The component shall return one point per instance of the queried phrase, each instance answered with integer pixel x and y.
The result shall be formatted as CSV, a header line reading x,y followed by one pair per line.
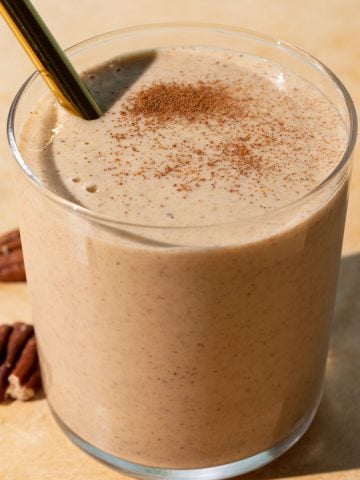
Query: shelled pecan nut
x,y
19,367
12,267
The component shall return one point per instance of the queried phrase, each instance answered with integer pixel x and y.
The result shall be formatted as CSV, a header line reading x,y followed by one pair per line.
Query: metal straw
x,y
49,59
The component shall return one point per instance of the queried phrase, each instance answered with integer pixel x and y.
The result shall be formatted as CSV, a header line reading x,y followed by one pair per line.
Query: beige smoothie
x,y
185,320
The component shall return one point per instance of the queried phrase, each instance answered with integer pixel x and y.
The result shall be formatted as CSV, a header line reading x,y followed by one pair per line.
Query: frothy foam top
x,y
191,136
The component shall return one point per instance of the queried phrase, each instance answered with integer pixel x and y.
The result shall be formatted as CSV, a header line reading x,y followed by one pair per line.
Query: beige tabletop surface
x,y
31,445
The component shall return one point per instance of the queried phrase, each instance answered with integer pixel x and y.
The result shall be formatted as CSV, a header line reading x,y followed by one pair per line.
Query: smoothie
x,y
195,332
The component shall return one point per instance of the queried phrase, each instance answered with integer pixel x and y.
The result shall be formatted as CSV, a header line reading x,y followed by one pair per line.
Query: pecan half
x,y
19,369
12,267
25,378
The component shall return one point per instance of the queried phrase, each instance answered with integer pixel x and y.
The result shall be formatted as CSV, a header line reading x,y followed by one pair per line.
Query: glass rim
x,y
290,49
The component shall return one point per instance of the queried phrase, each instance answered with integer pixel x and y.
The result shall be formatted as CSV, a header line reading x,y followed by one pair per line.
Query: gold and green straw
x,y
48,58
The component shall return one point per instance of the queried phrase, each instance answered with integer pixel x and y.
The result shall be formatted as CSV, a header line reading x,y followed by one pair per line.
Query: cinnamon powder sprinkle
x,y
188,167
190,101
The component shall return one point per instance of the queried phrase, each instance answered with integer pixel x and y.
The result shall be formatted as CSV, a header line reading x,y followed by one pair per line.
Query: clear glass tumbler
x,y
183,353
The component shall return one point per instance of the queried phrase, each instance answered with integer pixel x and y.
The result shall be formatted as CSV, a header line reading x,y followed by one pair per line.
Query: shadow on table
x,y
333,441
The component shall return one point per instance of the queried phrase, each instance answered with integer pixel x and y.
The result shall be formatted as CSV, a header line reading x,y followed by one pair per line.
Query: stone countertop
x,y
32,446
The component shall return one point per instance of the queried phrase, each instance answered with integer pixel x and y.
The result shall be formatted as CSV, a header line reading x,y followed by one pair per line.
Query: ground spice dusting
x,y
188,166
164,101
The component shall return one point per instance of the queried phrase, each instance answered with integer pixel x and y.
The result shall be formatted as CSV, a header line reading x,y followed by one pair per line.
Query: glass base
x,y
209,473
